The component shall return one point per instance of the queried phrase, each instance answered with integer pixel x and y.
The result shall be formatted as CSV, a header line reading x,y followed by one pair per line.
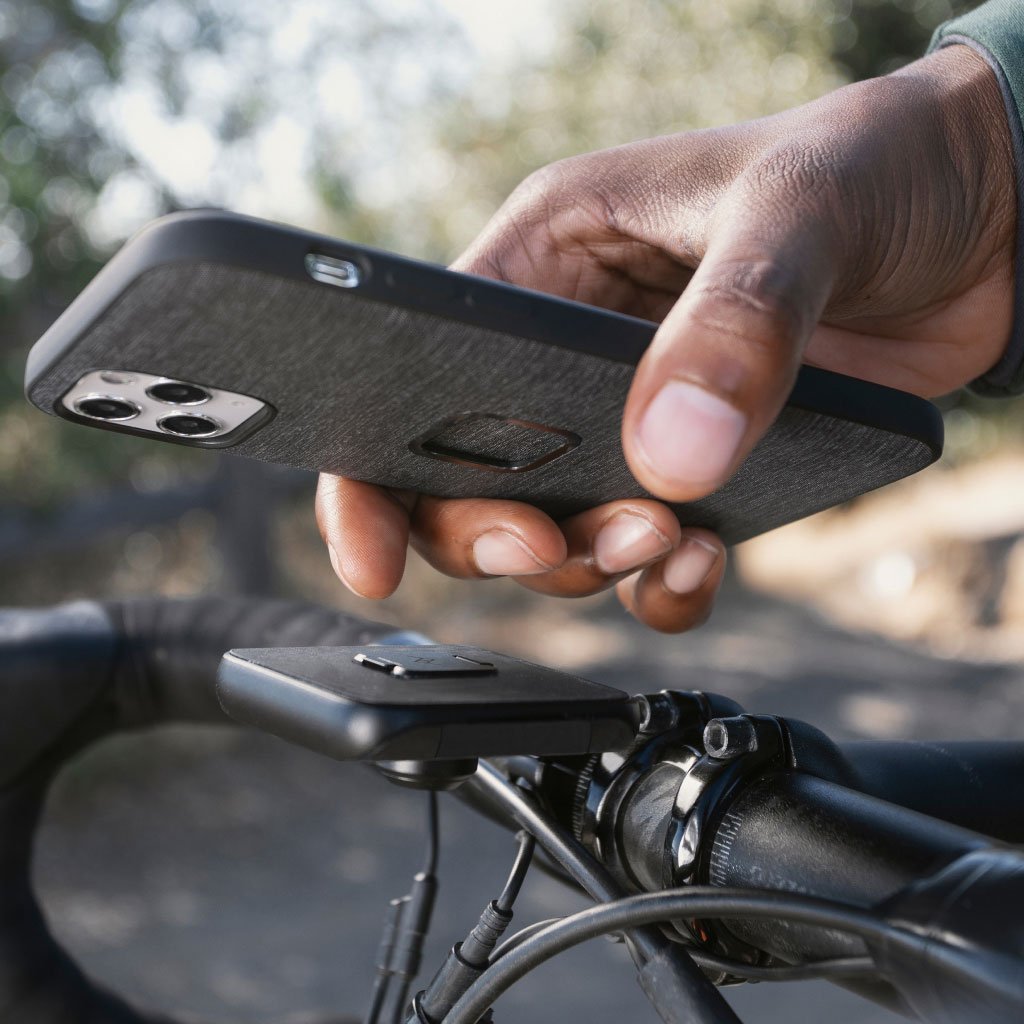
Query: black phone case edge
x,y
222,237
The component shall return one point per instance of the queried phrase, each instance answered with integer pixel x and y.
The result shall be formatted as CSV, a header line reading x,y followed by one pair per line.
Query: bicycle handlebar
x,y
786,829
74,674
79,672
792,831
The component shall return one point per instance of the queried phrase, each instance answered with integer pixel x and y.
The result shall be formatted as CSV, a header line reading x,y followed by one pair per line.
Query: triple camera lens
x,y
103,407
176,392
188,425
115,409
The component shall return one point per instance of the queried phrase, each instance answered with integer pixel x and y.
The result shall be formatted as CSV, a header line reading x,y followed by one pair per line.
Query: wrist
x,y
977,129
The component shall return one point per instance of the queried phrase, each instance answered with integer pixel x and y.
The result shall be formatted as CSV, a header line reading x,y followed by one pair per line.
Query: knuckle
x,y
796,171
544,187
561,204
580,185
523,225
750,302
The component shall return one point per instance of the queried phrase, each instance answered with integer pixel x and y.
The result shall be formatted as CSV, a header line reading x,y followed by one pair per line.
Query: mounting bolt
x,y
658,713
729,738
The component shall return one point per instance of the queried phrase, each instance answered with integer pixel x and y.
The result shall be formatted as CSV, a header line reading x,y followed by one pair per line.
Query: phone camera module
x,y
104,407
175,392
189,425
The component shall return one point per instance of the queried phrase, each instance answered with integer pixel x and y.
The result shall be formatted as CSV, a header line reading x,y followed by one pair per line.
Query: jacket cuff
x,y
996,32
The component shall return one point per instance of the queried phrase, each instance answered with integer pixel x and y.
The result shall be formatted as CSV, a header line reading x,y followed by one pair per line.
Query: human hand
x,y
870,232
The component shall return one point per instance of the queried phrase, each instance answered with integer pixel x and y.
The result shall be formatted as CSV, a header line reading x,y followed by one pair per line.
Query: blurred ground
x,y
937,560
229,876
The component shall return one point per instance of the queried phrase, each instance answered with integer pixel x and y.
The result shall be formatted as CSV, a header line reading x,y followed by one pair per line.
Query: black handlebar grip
x,y
74,674
169,650
962,781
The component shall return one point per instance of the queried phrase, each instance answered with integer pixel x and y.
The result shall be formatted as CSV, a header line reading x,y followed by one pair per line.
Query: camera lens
x,y
100,407
185,425
175,392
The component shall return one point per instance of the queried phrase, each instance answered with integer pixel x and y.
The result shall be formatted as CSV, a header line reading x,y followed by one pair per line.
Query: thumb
x,y
725,358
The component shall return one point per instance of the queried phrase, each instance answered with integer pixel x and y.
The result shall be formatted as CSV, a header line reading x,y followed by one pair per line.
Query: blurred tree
x,y
54,157
873,37
115,111
619,72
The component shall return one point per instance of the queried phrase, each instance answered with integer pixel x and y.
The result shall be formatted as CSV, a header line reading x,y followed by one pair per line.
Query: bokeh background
x,y
403,124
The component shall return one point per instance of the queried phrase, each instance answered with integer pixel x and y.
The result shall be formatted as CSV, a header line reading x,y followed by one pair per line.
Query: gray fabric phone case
x,y
367,385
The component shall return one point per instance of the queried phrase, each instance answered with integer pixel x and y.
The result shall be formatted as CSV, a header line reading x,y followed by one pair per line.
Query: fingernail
x,y
688,566
500,553
626,541
688,436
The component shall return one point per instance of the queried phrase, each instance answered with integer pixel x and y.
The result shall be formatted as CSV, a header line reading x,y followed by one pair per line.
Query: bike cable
x,y
837,967
524,858
405,931
468,959
677,987
649,908
522,935
831,969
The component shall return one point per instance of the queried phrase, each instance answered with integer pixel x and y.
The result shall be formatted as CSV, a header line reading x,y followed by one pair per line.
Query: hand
x,y
870,232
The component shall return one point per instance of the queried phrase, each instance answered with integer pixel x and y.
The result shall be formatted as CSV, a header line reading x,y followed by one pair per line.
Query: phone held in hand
x,y
219,331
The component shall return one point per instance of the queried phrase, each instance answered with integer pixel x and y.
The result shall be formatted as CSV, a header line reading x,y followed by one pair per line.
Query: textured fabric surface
x,y
354,382
996,31
497,440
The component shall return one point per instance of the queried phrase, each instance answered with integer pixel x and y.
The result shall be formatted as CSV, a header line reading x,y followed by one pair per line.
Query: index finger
x,y
366,530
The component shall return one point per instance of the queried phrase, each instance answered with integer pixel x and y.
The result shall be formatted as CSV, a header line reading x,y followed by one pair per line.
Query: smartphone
x,y
422,703
220,331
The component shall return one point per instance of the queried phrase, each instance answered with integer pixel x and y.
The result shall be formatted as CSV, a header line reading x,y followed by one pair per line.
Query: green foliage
x,y
874,37
105,103
620,72
53,156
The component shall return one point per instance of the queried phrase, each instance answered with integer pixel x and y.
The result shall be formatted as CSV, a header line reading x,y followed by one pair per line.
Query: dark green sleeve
x,y
996,31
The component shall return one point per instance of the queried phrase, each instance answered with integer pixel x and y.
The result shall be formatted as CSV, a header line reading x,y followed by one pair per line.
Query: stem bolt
x,y
658,713
729,738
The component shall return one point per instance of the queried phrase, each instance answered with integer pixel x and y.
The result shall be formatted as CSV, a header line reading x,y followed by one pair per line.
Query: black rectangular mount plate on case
x,y
431,702
443,383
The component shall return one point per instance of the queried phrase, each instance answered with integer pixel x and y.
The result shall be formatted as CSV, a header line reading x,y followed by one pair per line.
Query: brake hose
x,y
648,908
